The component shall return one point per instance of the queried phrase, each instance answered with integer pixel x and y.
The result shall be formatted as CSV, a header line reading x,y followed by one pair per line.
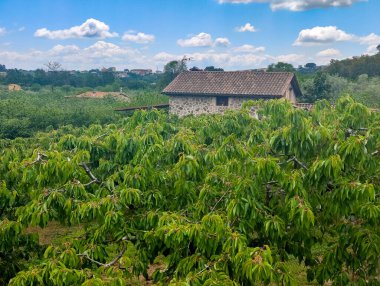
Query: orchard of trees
x,y
209,200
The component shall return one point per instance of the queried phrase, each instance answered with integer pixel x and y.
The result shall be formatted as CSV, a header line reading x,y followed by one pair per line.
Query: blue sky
x,y
233,34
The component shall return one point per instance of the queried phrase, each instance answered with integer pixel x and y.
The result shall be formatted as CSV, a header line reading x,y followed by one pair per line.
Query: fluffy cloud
x,y
203,40
140,38
331,34
2,31
297,5
249,49
372,41
60,50
294,59
200,40
222,42
246,28
92,28
329,53
322,35
97,55
229,59
164,57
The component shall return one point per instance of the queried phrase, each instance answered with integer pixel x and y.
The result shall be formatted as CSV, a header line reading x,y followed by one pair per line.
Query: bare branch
x,y
106,265
53,66
39,159
221,198
102,135
271,183
294,159
90,174
207,267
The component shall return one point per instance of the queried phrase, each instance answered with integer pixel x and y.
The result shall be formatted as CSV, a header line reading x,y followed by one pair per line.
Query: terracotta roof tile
x,y
239,83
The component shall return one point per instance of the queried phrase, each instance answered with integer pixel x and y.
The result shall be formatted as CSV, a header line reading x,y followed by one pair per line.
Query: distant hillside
x,y
352,68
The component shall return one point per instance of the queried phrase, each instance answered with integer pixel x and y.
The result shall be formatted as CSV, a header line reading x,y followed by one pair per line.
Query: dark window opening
x,y
221,101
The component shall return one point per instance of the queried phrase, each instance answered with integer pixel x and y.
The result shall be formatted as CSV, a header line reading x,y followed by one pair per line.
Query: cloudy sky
x,y
233,34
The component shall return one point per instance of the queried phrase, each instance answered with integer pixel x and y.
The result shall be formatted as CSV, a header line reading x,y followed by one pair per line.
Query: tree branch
x,y
90,174
40,158
207,267
106,265
221,198
102,135
294,159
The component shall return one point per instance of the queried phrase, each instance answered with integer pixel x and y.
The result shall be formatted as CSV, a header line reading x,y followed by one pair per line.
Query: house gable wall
x,y
290,94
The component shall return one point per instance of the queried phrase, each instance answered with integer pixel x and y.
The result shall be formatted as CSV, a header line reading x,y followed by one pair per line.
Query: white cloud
x,y
2,31
372,41
228,59
92,28
331,34
249,49
322,35
140,38
222,42
302,5
200,40
63,50
297,5
203,40
21,29
164,57
246,28
329,53
97,55
294,59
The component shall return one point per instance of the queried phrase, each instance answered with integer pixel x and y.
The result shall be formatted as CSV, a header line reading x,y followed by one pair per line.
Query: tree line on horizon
x,y
316,82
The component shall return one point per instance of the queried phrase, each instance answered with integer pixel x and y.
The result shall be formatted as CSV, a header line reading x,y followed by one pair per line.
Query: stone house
x,y
198,92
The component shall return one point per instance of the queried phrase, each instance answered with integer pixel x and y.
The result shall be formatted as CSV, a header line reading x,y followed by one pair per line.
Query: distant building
x,y
199,92
14,87
121,74
111,69
141,71
3,74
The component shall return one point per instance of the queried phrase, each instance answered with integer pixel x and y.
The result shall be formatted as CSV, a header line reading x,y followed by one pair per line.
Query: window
x,y
221,101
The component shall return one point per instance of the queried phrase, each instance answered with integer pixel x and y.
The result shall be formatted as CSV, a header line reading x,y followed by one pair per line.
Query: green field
x,y
25,112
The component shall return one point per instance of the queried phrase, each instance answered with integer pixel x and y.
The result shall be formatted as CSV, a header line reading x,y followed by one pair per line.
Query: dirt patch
x,y
101,94
53,232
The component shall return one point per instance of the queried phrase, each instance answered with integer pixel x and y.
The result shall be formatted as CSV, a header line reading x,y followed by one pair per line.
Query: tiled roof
x,y
238,83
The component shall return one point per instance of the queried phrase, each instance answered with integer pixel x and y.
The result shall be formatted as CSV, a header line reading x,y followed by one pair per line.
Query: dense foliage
x,y
356,66
93,79
210,200
364,89
23,113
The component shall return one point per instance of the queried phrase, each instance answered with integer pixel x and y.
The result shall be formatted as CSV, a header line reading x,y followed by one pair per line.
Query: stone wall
x,y
196,105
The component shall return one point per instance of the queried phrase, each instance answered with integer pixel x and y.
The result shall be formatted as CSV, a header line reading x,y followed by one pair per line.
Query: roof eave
x,y
220,94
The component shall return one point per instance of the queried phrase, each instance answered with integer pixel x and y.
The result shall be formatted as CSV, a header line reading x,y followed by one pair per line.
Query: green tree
x,y
212,68
171,70
317,88
281,67
208,200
